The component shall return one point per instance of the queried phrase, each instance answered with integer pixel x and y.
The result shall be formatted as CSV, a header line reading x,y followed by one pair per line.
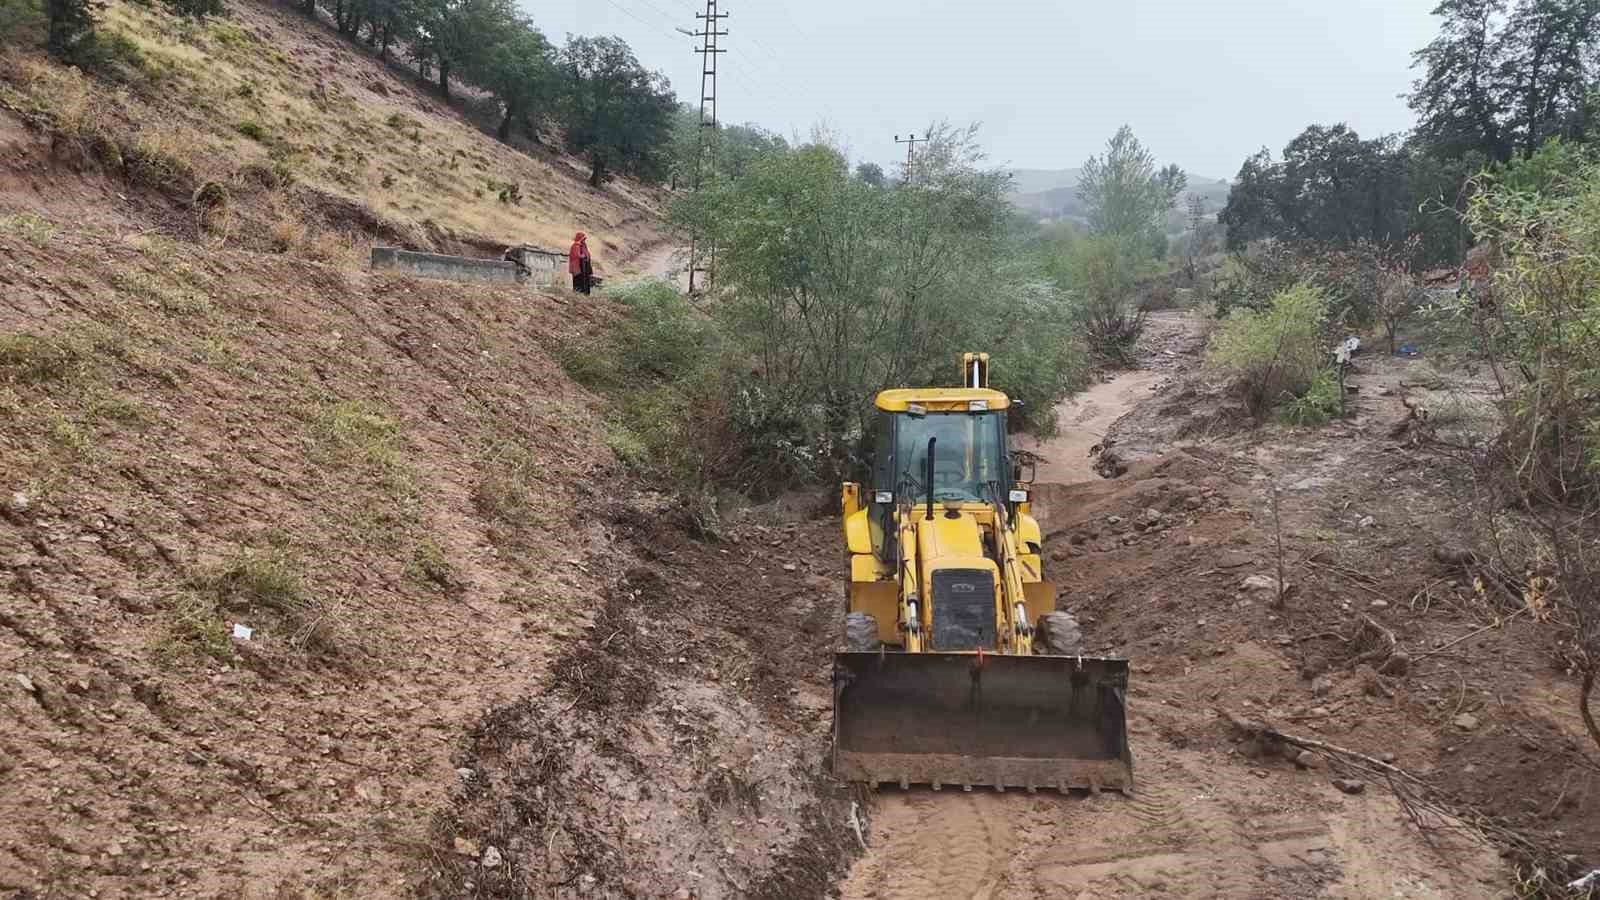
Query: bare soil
x,y
480,662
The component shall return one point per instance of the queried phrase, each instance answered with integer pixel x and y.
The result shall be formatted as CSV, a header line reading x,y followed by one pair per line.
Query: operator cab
x,y
965,430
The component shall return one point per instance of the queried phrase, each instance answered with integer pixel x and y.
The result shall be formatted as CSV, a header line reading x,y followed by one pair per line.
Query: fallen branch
x,y
1250,726
1349,577
1467,637
1377,653
1418,799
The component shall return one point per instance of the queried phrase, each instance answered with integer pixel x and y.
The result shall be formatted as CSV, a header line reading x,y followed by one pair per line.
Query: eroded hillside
x,y
307,138
443,575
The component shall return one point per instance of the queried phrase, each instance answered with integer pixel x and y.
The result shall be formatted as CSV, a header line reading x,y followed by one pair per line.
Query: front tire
x,y
1058,635
860,632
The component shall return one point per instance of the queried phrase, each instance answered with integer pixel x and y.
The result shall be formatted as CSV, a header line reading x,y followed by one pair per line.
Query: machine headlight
x,y
1019,496
883,497
977,406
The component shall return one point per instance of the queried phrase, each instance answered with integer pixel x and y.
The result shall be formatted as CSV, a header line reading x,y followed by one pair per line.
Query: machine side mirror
x,y
1024,470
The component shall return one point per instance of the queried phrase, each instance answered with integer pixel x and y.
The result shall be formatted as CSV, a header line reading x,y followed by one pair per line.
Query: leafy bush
x,y
1275,354
197,9
662,334
1100,274
1540,319
1539,322
1350,278
1318,404
1557,168
252,130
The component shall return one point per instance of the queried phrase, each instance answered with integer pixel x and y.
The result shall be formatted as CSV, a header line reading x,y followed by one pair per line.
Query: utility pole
x,y
911,141
703,252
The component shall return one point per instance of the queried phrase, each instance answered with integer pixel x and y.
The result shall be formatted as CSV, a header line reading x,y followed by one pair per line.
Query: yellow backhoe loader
x,y
958,668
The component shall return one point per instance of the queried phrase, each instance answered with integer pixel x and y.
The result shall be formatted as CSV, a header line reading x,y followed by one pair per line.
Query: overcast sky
x,y
1202,84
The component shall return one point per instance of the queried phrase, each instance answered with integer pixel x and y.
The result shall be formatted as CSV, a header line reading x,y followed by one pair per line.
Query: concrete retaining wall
x,y
453,268
545,268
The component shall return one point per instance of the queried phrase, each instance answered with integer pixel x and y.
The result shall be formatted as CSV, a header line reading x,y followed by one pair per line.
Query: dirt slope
x,y
393,484
353,467
303,130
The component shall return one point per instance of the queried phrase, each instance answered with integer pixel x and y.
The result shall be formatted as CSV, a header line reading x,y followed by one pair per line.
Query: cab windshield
x,y
968,454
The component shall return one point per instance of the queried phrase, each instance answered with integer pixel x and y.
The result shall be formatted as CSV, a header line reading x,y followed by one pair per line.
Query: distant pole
x,y
911,141
703,253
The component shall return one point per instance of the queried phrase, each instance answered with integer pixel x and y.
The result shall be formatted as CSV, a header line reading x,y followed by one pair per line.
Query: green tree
x,y
1099,273
1501,78
520,72
1331,187
1124,192
871,173
1547,51
835,288
614,111
1457,100
71,28
393,22
452,34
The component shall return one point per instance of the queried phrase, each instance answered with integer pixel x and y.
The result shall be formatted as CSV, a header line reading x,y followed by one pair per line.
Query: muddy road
x,y
1203,821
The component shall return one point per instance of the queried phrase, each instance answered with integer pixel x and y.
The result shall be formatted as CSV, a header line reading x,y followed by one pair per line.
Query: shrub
x,y
660,337
114,55
1319,403
252,130
195,625
255,582
32,359
1539,322
161,159
1539,319
1275,354
1100,274
429,565
32,228
211,195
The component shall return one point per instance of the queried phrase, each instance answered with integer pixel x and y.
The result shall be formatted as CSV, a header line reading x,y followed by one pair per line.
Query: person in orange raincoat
x,y
579,266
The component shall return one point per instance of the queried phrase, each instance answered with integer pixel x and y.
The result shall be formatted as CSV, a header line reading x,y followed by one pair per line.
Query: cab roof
x,y
939,399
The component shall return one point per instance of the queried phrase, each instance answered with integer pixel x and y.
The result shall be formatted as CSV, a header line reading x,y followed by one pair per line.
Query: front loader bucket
x,y
961,719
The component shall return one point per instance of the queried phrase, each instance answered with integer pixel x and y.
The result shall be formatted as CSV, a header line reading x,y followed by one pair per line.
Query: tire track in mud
x,y
1182,834
935,845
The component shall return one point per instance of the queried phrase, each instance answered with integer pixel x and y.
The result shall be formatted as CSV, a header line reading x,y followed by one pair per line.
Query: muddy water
x,y
1084,420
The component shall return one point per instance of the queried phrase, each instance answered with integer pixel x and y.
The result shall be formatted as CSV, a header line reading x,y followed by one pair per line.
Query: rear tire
x,y
860,632
1058,635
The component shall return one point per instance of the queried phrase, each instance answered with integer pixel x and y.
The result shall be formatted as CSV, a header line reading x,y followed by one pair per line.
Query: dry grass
x,y
329,131
33,229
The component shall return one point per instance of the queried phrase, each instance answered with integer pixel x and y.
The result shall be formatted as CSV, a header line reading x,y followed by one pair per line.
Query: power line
x,y
632,15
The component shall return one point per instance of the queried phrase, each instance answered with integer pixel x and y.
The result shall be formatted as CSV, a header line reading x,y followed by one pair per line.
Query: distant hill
x,y
1038,181
1052,195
